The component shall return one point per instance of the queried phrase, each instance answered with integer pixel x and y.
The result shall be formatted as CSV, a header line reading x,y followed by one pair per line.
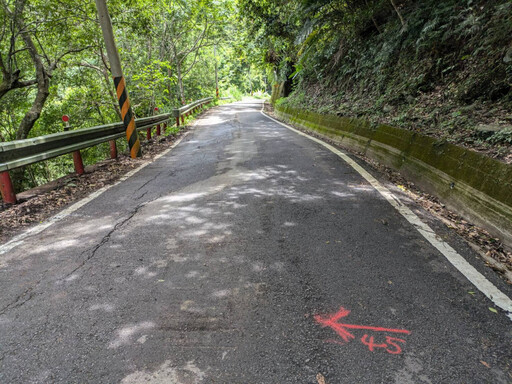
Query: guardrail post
x,y
77,161
77,157
6,188
148,133
164,127
113,149
177,121
182,120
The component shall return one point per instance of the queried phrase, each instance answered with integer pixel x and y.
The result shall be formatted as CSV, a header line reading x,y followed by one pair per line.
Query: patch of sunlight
x,y
210,120
167,374
222,293
102,307
194,220
192,274
189,306
182,197
342,194
143,271
54,246
125,335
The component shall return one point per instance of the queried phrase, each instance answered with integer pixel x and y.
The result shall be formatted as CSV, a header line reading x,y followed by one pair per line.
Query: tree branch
x,y
54,64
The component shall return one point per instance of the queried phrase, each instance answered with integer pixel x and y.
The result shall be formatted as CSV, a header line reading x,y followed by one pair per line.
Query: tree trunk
x,y
404,25
180,82
169,83
11,75
43,90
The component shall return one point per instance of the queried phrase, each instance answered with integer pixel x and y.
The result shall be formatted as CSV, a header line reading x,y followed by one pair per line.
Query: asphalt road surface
x,y
247,254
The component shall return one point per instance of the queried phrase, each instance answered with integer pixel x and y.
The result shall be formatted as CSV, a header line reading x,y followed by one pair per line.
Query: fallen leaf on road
x,y
486,364
471,292
320,378
493,310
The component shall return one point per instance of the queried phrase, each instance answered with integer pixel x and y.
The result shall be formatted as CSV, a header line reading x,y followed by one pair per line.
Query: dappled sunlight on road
x,y
188,259
168,373
126,334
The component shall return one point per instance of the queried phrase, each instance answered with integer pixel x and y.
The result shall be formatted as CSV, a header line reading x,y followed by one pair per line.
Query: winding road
x,y
247,254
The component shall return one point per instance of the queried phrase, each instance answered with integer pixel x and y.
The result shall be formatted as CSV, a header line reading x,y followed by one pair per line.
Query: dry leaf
x,y
320,378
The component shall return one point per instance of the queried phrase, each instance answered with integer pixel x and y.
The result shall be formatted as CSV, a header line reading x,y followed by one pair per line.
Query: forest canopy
x,y
53,63
440,67
443,68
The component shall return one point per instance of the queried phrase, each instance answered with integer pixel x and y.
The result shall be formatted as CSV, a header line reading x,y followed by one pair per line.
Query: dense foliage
x,y
53,62
442,67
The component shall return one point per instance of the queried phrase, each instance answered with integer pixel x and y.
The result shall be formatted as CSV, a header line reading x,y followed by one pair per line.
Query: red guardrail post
x,y
148,133
6,188
177,121
113,149
77,161
77,157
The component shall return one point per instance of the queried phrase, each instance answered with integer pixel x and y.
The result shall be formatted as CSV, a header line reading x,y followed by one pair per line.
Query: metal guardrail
x,y
18,153
189,107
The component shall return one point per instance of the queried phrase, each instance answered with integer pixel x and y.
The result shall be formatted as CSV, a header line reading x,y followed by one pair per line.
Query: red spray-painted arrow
x,y
341,329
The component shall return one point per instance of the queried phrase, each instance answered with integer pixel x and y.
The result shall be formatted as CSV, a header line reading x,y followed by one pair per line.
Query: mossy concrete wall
x,y
476,186
277,92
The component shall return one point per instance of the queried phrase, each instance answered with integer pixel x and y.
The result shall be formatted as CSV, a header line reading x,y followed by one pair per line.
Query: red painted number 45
x,y
390,346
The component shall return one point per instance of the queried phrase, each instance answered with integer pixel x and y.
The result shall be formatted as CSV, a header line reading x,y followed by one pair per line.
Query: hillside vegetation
x,y
443,68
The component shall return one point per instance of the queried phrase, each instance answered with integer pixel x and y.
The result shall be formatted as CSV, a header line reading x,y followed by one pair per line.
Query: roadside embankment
x,y
476,186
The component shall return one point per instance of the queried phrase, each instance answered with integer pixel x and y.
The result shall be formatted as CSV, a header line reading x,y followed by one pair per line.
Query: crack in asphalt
x,y
30,293
20,299
105,239
149,181
141,196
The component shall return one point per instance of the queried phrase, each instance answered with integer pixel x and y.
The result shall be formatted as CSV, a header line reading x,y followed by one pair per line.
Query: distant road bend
x,y
249,254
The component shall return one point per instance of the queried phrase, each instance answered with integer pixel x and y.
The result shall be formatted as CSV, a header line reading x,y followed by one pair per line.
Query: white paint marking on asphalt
x,y
485,286
18,240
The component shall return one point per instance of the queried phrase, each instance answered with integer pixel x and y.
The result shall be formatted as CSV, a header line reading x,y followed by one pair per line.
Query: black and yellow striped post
x,y
127,116
119,82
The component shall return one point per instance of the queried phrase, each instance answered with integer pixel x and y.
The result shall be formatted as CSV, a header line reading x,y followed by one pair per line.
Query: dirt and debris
x,y
45,201
490,248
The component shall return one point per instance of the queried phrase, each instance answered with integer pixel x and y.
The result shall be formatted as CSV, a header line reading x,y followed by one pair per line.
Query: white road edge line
x,y
479,281
18,240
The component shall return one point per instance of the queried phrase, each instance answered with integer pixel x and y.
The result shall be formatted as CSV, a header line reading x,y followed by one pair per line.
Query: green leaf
x,y
493,310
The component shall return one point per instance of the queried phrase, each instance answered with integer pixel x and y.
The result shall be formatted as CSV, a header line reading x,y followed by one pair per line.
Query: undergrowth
x,y
446,73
